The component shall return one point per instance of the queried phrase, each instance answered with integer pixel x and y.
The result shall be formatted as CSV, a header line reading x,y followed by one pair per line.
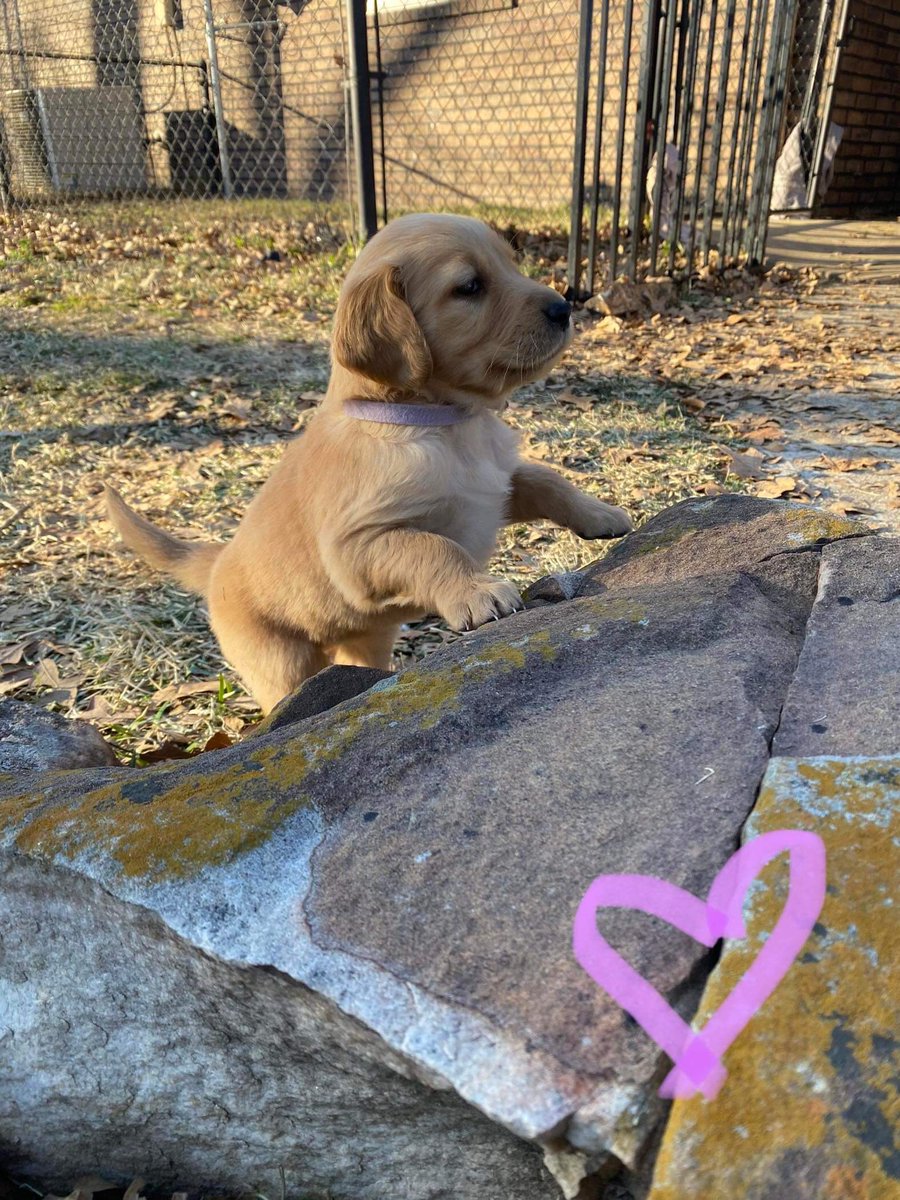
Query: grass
x,y
171,350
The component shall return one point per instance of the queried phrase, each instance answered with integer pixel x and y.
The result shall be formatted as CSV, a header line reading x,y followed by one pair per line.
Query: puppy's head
x,y
438,301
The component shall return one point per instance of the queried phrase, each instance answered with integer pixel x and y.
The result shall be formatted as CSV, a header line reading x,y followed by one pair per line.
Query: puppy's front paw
x,y
603,521
489,599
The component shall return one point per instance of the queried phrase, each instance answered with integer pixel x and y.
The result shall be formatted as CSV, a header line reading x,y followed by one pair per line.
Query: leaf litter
x,y
168,352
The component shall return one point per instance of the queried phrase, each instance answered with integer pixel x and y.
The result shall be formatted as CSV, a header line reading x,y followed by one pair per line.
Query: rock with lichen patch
x,y
351,935
811,1103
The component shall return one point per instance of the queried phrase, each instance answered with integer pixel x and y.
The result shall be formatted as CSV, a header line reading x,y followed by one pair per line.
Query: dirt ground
x,y
172,351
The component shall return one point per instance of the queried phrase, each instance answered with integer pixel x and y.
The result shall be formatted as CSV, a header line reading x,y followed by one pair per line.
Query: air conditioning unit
x,y
84,141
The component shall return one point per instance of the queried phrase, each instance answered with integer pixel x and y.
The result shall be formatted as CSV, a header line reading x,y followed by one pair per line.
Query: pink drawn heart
x,y
697,1057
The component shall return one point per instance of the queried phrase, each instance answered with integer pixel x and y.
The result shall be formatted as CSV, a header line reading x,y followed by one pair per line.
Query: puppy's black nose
x,y
559,311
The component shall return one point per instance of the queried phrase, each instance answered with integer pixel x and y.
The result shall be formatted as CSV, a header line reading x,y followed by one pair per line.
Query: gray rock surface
x,y
845,696
708,537
32,739
384,893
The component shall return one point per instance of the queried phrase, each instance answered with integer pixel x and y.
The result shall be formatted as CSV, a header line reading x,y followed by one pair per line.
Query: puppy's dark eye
x,y
472,287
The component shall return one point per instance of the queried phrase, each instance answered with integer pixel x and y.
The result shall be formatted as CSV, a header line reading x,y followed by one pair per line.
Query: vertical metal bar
x,y
620,139
766,131
361,113
728,207
687,115
6,195
379,67
641,118
827,105
576,210
683,22
718,125
704,118
598,144
751,110
216,85
662,126
758,248
811,94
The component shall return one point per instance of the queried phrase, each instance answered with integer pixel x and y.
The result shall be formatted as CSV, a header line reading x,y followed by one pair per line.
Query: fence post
x,y
639,163
576,211
216,85
361,115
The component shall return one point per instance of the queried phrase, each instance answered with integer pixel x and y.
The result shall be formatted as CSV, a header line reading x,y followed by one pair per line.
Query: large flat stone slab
x,y
417,855
126,1050
811,1106
402,871
707,537
844,696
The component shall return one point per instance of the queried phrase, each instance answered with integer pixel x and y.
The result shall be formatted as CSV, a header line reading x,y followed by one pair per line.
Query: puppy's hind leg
x,y
373,649
272,661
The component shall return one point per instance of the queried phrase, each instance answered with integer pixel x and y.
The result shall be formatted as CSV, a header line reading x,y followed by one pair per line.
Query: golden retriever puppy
x,y
389,504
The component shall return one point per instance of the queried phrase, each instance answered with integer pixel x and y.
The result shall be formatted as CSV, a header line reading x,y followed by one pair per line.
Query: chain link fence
x,y
470,103
172,98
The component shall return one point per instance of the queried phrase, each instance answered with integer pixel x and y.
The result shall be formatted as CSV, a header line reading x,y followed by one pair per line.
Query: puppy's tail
x,y
189,562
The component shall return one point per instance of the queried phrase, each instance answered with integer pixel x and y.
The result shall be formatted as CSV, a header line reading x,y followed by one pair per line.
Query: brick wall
x,y
867,105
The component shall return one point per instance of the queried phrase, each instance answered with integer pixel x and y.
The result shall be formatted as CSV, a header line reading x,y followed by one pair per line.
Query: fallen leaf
x,y
692,403
772,489
14,653
219,741
179,691
167,752
48,673
745,466
583,403
237,410
768,432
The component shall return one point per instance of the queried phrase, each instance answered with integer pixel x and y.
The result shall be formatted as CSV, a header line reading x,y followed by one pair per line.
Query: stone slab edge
x,y
811,1103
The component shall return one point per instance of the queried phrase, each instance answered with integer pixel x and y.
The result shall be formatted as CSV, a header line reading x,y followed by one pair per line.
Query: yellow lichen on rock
x,y
813,525
810,1105
173,820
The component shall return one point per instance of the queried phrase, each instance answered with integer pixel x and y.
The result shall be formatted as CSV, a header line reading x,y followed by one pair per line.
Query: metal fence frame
x,y
718,204
704,80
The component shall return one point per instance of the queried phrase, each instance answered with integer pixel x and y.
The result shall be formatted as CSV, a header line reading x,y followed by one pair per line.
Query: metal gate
x,y
472,107
676,147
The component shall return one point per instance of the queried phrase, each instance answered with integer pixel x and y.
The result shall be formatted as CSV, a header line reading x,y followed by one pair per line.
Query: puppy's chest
x,y
469,496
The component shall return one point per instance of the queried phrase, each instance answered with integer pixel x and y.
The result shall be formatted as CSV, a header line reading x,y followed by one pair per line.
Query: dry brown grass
x,y
171,351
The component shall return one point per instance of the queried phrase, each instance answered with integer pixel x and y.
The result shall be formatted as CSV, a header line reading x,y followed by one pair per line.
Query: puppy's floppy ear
x,y
376,333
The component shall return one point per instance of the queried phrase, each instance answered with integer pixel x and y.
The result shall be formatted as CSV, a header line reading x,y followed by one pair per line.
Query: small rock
x,y
551,589
32,739
321,693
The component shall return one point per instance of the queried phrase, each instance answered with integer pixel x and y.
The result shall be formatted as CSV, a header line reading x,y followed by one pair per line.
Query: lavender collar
x,y
405,414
